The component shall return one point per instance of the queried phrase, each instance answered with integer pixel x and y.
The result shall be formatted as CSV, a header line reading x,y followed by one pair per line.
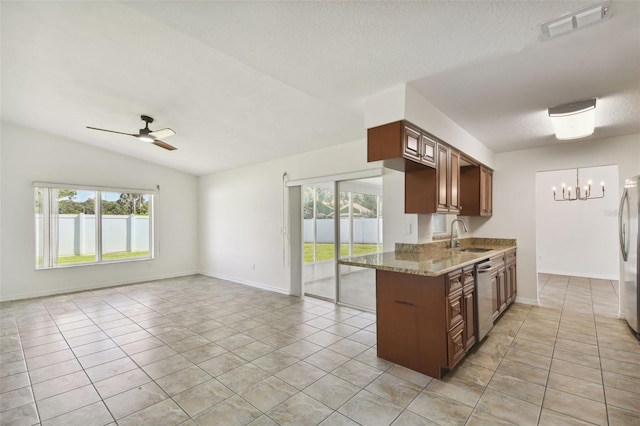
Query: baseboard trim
x,y
247,283
69,290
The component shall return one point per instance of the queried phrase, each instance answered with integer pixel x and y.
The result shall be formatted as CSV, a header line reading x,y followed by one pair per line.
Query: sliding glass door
x,y
360,234
318,272
341,219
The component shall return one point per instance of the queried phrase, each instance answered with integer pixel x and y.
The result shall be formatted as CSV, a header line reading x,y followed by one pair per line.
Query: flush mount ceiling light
x,y
575,120
571,21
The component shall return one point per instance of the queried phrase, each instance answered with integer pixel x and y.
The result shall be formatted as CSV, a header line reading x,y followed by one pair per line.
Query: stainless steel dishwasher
x,y
484,293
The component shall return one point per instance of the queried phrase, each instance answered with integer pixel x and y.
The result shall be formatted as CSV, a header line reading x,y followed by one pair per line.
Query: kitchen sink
x,y
476,249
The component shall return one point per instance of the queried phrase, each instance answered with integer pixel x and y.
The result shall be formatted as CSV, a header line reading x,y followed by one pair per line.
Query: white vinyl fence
x,y
365,230
77,234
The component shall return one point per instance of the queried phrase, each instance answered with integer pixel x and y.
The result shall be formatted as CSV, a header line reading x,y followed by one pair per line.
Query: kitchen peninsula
x,y
427,299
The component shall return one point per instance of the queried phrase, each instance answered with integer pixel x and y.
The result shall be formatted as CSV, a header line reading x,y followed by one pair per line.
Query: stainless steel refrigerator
x,y
630,245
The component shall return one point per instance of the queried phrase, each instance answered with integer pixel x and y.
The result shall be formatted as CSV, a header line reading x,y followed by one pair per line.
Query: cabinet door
x,y
469,305
399,332
428,147
454,181
454,309
502,289
411,144
488,192
455,345
442,178
512,285
486,196
495,294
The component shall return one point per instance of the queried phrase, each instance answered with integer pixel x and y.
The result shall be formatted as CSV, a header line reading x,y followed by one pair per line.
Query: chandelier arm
x,y
587,195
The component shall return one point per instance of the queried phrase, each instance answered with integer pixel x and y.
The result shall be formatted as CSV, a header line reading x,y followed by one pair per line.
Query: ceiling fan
x,y
146,135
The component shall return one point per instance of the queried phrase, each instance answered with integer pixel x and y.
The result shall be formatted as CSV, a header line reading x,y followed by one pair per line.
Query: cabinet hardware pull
x,y
404,303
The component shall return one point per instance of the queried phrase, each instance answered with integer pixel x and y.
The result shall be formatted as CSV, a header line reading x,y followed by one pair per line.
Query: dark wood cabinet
x,y
425,323
503,281
434,190
433,179
497,285
412,321
453,189
469,308
511,276
402,146
486,191
411,143
442,179
455,345
428,148
476,191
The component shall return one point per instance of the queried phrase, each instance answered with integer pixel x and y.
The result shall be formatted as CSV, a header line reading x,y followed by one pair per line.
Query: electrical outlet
x,y
407,229
254,266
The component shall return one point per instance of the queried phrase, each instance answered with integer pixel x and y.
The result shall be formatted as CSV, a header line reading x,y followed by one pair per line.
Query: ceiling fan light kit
x,y
146,135
574,20
574,120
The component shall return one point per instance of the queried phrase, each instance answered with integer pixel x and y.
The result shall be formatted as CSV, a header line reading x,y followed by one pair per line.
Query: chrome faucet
x,y
452,229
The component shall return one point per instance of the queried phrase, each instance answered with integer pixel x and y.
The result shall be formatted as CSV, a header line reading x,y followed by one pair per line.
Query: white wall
x,y
29,155
398,226
514,189
578,238
403,102
241,214
424,114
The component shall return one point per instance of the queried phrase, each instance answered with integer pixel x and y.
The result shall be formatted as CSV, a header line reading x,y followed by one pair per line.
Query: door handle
x,y
622,232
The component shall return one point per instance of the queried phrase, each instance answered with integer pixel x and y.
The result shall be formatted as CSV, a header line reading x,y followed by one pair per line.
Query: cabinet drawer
x,y
467,276
428,147
455,345
411,146
510,257
454,309
454,282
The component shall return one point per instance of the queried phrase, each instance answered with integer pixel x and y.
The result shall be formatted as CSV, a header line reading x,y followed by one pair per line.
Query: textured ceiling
x,y
243,82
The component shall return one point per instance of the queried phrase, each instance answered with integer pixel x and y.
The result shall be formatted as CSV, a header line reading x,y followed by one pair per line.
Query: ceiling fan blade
x,y
112,131
162,133
164,145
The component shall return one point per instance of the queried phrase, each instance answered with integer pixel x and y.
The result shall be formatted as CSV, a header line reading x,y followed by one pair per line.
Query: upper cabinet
x,y
476,191
448,180
400,141
428,190
436,178
428,146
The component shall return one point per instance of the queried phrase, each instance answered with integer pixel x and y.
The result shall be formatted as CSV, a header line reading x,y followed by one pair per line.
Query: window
x,y
78,225
439,222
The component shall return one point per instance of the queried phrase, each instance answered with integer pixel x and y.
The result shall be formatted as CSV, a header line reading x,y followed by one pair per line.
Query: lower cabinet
x,y
503,281
425,323
511,276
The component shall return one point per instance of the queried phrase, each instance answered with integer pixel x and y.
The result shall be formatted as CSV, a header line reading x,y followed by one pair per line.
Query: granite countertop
x,y
431,259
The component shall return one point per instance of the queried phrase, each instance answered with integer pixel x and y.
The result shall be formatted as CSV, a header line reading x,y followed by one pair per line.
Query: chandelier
x,y
577,194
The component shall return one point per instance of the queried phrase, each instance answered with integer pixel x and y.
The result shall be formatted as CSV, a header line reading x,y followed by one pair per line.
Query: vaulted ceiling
x,y
244,82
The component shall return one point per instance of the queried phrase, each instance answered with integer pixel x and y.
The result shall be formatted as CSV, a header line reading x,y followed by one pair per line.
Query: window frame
x,y
48,226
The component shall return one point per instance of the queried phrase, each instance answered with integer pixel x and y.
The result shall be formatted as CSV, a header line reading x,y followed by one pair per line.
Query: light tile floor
x,y
197,350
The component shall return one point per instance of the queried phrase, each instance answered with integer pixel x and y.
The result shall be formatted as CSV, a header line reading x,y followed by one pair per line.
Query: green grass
x,y
324,251
68,260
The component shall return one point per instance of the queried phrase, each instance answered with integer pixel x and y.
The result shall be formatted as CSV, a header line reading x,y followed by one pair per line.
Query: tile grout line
x,y
555,341
604,389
